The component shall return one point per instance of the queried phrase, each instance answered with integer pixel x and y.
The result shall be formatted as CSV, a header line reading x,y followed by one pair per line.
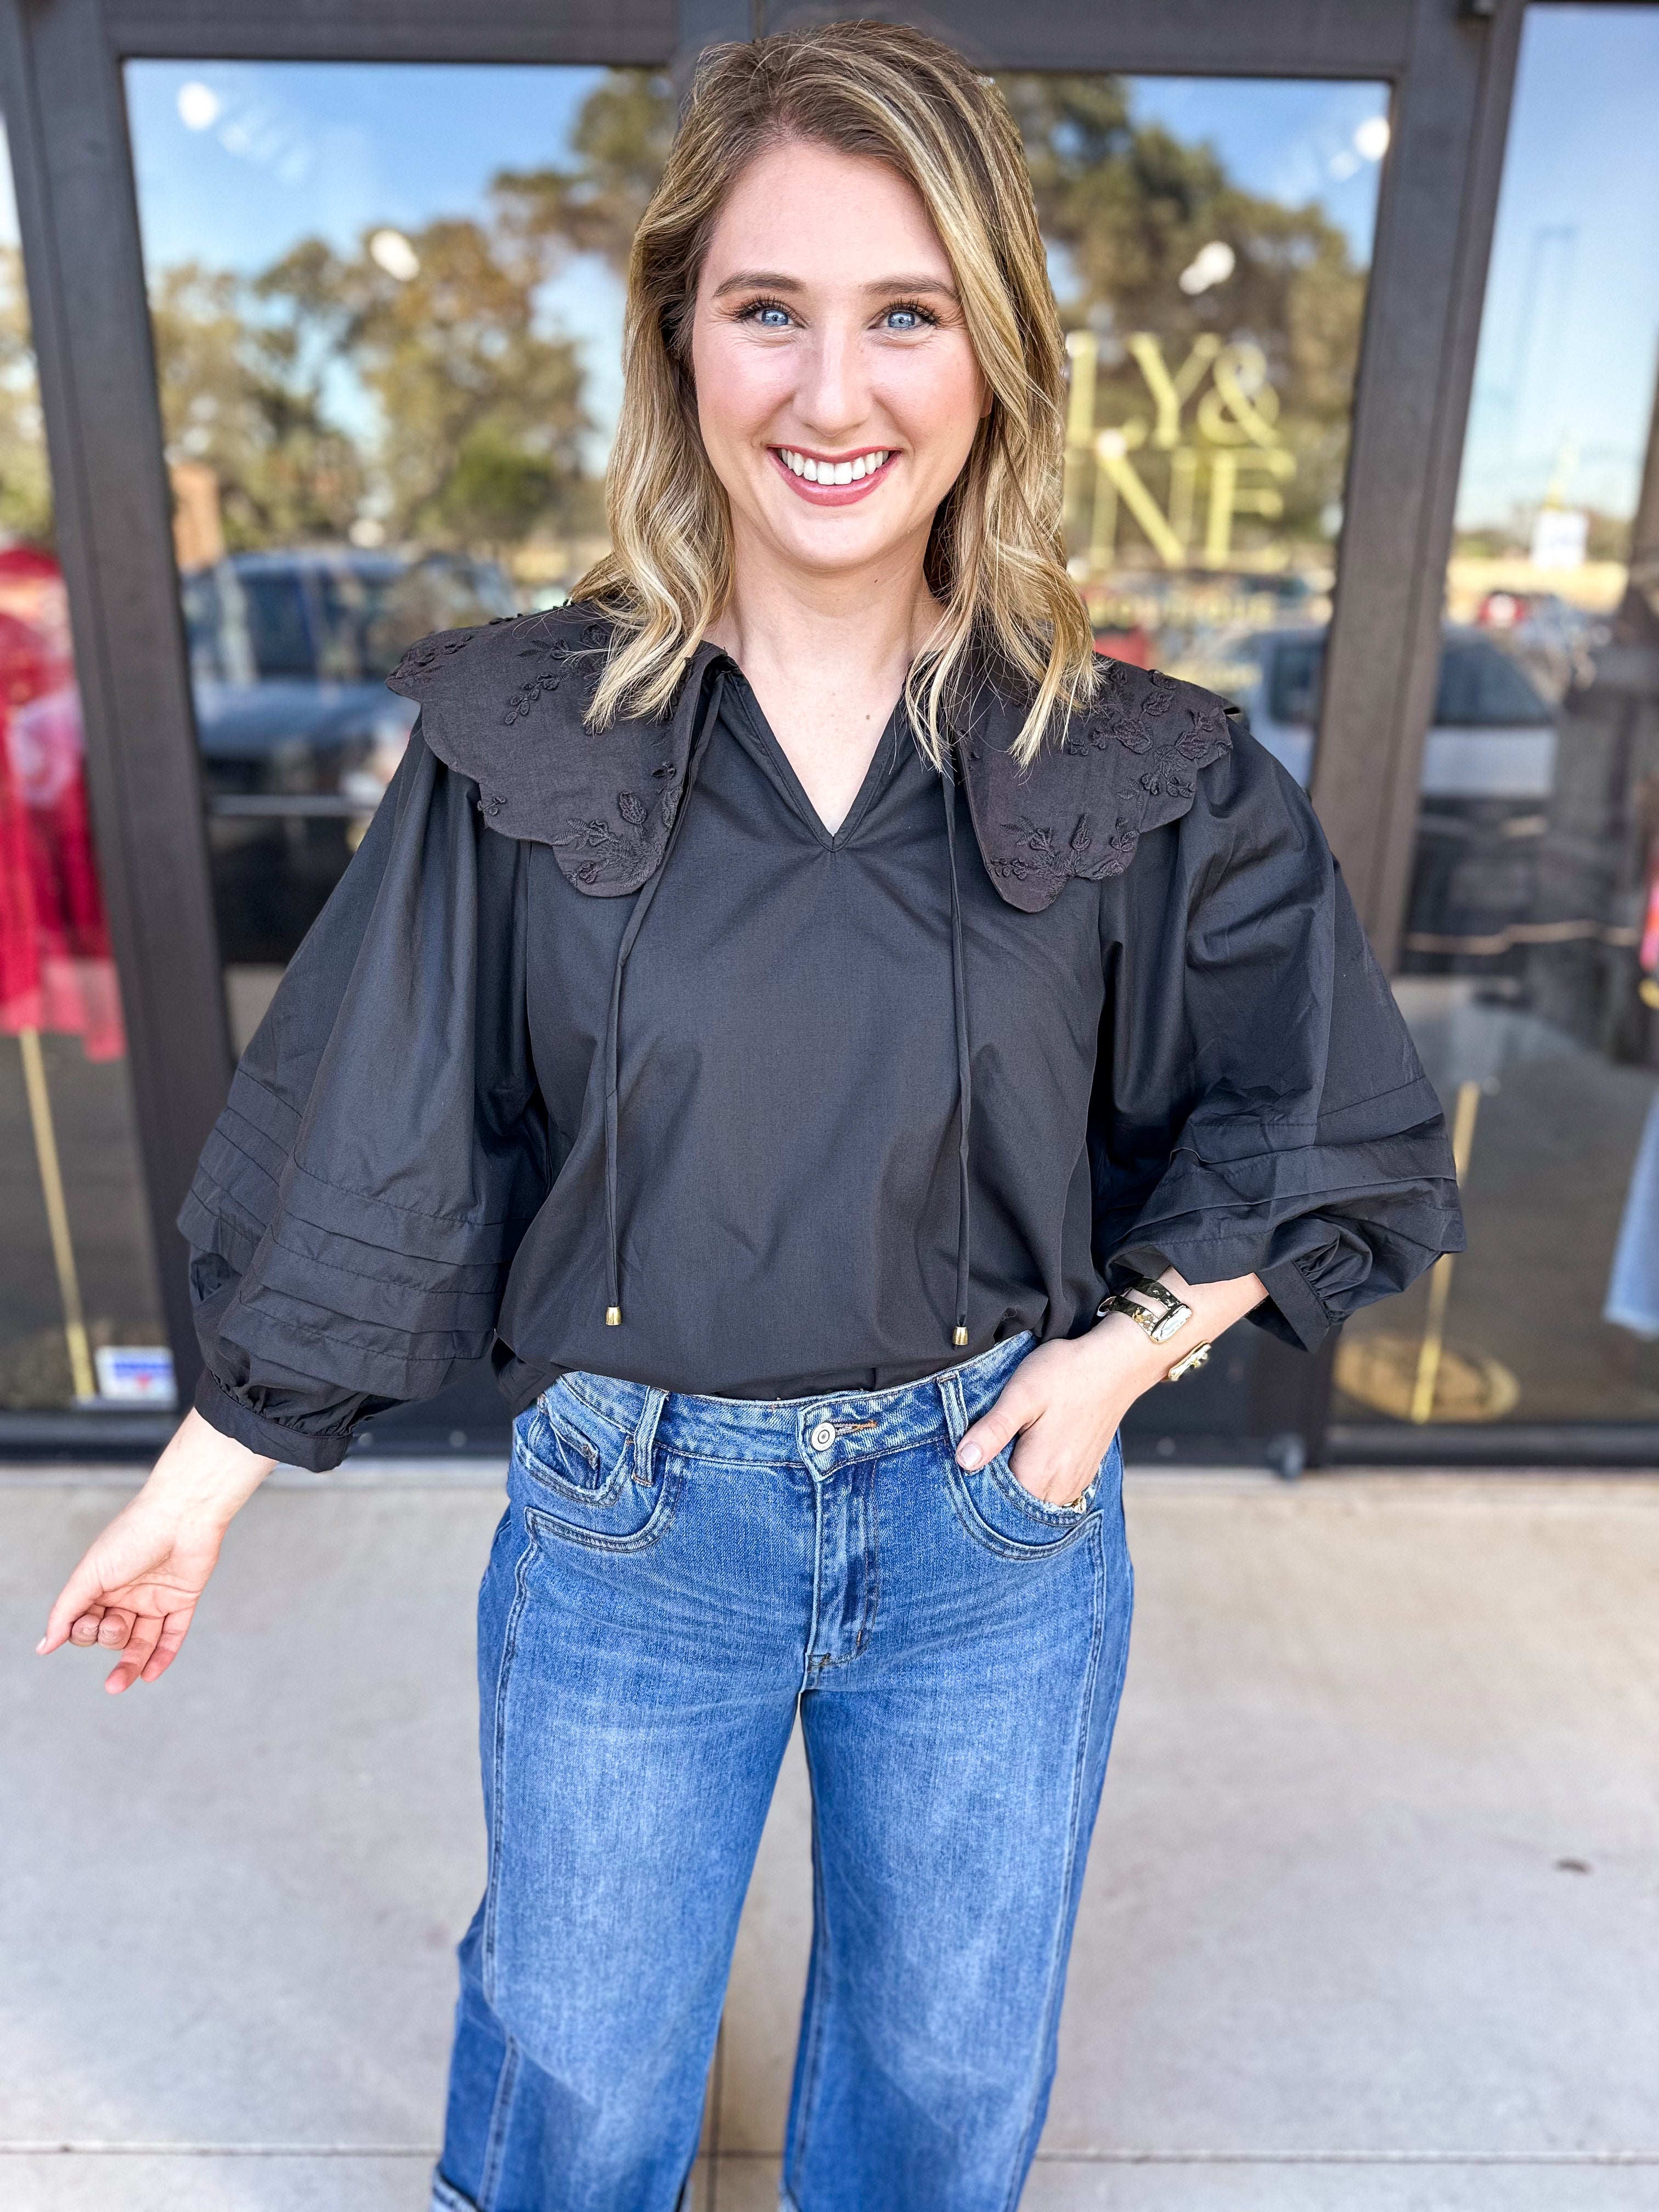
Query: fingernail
x,y
970,1455
42,1645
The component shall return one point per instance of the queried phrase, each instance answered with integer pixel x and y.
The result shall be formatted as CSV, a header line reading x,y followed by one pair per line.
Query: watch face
x,y
1172,1324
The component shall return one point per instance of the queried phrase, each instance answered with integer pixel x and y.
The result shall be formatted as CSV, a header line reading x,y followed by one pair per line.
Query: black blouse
x,y
611,1025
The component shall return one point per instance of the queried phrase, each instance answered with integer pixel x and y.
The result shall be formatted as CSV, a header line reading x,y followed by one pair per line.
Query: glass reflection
x,y
1209,241
1530,966
387,311
78,1317
387,305
387,314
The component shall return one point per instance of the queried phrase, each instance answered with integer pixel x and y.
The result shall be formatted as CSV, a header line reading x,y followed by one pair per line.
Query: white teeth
x,y
835,472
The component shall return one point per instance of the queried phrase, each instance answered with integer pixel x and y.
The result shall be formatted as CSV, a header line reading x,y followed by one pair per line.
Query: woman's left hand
x,y
1064,1402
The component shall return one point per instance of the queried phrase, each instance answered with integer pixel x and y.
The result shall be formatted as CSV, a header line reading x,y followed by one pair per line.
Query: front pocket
x,y
1000,1513
555,1452
626,1515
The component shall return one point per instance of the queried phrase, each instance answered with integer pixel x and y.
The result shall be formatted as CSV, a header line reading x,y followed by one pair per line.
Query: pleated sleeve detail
x,y
1268,1113
359,1202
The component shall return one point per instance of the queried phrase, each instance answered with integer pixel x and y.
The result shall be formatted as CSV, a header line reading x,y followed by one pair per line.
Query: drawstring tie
x,y
964,1064
707,718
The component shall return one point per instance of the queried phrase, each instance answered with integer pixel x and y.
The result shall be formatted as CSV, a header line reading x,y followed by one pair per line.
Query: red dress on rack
x,y
56,970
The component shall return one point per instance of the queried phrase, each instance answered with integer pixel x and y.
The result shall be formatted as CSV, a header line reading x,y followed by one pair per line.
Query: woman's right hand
x,y
135,1590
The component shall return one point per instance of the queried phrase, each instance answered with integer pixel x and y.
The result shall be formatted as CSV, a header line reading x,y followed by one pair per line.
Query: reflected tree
x,y
25,485
243,396
424,389
1128,208
478,411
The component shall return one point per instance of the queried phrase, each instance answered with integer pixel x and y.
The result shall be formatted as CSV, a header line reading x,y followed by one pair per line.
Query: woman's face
x,y
837,393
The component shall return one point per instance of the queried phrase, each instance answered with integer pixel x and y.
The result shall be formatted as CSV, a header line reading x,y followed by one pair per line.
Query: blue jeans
x,y
675,1578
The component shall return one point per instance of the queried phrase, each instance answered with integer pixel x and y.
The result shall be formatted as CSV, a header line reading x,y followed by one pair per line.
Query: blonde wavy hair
x,y
995,558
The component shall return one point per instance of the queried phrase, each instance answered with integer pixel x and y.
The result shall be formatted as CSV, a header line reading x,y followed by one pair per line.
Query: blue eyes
x,y
904,318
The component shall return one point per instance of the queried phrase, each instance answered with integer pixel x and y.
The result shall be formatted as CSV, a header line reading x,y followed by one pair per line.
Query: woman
x,y
819,1029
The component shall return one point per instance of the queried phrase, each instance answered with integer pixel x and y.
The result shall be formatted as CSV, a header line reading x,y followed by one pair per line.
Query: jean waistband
x,y
834,1428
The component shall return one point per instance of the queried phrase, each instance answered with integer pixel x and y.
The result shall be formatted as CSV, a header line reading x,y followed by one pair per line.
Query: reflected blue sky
x,y
1570,340
236,160
1298,142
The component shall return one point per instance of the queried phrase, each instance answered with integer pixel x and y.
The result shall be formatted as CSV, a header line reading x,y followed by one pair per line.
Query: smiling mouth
x,y
822,478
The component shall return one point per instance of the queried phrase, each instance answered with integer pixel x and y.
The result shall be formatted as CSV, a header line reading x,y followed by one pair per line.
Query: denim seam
x,y
872,1571
651,1531
1061,1946
811,2060
495,2141
498,1759
793,1464
867,1611
811,1667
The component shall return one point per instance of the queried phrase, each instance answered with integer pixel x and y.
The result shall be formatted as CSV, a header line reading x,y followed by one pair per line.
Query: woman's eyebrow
x,y
772,280
758,280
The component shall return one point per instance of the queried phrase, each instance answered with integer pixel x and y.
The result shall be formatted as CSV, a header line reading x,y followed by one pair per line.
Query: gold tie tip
x,y
613,1316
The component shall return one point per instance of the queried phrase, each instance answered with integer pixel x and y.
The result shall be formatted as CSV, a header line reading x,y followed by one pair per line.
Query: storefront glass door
x,y
387,311
79,1321
1529,967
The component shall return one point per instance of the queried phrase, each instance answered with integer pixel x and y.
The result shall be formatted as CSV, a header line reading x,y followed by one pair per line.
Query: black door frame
x,y
1450,65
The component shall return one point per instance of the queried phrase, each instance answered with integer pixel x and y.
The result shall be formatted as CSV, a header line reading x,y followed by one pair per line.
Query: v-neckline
x,y
783,768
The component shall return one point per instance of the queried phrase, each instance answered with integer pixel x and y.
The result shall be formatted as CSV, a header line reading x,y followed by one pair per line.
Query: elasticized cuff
x,y
1298,1304
276,1440
1294,1312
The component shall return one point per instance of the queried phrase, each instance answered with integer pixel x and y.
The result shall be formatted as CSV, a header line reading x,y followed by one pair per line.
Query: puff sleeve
x,y
1261,1106
358,1204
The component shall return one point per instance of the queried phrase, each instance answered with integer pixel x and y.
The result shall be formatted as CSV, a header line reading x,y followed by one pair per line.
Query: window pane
x,y
79,1314
1530,961
1209,242
388,307
387,311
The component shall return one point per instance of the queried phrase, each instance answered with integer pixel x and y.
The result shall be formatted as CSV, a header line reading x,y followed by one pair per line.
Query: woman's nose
x,y
834,394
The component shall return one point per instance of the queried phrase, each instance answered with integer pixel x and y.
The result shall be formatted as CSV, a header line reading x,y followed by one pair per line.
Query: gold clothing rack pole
x,y
51,1189
1440,1276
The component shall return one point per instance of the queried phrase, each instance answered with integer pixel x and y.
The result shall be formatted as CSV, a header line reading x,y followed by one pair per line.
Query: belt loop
x,y
956,1408
645,1433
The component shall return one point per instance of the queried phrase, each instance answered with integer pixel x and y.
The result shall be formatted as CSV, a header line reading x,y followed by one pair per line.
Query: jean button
x,y
822,1437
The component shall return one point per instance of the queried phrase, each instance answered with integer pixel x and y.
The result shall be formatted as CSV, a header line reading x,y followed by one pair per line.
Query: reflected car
x,y
1487,779
1492,735
299,736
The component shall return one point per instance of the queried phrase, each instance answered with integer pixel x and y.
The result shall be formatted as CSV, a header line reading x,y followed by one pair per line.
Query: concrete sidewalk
x,y
1372,1920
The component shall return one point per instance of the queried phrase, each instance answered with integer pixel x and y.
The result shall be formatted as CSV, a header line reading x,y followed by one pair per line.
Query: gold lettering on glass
x,y
1209,451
